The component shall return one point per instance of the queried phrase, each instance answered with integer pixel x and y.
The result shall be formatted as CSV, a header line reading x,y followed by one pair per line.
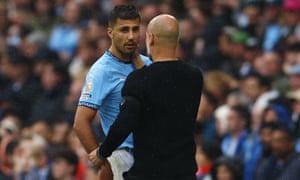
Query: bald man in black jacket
x,y
159,106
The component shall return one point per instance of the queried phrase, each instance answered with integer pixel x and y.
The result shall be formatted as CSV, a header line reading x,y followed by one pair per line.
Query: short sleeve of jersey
x,y
96,87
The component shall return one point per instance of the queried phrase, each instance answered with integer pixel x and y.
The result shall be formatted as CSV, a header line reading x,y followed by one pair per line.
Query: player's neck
x,y
119,55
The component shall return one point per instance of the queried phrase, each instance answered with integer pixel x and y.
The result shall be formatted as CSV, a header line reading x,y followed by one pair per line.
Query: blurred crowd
x,y
249,51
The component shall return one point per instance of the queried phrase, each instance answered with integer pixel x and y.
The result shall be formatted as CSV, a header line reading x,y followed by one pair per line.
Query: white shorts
x,y
120,162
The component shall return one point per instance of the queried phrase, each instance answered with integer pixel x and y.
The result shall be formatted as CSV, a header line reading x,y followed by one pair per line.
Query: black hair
x,y
242,111
263,81
211,149
234,165
61,69
68,155
291,135
270,125
125,12
45,54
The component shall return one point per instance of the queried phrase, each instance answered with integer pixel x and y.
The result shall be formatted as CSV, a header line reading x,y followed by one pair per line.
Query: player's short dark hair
x,y
124,12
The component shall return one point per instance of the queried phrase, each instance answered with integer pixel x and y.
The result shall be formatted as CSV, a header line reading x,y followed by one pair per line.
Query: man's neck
x,y
121,57
160,54
163,59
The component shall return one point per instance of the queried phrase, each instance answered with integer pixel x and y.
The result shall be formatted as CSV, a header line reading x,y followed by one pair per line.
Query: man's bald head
x,y
165,29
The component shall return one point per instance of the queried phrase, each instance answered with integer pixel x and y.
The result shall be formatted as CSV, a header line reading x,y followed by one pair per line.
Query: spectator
x,y
206,154
238,41
284,162
291,27
205,117
257,149
291,57
65,37
252,14
272,27
64,165
228,168
4,25
89,9
23,89
232,144
252,51
30,158
187,37
7,164
221,115
10,128
294,77
49,104
278,113
96,28
61,130
273,63
219,84
258,89
42,57
44,17
85,57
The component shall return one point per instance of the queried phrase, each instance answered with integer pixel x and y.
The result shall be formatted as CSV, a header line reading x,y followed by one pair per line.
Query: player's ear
x,y
109,32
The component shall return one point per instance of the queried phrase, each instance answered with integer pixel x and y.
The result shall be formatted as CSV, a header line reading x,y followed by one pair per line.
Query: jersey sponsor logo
x,y
88,86
85,96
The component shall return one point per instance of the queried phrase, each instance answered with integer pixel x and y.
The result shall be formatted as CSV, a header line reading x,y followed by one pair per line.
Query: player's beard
x,y
126,55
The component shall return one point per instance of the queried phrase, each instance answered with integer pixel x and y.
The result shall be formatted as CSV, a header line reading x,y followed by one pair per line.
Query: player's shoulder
x,y
100,66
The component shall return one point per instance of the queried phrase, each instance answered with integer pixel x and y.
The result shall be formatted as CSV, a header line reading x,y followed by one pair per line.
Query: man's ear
x,y
151,38
109,32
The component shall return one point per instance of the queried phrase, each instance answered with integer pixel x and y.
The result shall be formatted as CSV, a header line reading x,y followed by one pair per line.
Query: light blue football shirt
x,y
102,89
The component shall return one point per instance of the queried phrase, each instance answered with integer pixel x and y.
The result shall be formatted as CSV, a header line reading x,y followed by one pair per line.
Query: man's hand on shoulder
x,y
137,60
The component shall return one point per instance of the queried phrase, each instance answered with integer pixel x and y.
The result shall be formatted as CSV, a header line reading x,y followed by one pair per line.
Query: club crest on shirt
x,y
89,86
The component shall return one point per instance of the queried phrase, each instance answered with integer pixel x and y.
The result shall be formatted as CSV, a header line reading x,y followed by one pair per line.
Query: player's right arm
x,y
94,90
82,127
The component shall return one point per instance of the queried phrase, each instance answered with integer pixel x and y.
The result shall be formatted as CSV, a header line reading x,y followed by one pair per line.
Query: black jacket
x,y
160,104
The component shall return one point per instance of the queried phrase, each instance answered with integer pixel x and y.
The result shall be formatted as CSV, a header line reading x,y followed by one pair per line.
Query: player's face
x,y
125,36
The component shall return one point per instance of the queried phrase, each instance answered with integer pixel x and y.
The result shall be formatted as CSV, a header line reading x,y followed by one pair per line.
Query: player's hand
x,y
96,161
137,60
